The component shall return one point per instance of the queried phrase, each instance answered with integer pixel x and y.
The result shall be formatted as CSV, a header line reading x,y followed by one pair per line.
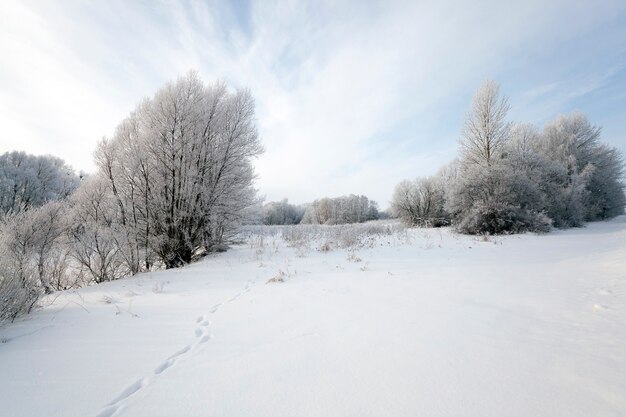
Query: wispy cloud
x,y
351,97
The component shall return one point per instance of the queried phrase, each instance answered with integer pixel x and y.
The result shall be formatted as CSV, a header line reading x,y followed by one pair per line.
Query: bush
x,y
19,286
17,296
500,218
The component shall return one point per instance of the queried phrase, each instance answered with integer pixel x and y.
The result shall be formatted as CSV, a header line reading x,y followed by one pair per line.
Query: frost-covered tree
x,y
34,257
373,213
18,296
496,200
50,251
593,171
124,168
179,171
341,210
33,250
605,198
486,129
281,212
420,203
93,232
564,174
19,287
493,193
30,181
513,178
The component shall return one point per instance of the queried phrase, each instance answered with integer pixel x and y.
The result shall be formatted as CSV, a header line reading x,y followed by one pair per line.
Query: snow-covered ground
x,y
424,324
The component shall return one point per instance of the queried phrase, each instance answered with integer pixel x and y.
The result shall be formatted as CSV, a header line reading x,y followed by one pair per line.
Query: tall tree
x,y
486,129
179,169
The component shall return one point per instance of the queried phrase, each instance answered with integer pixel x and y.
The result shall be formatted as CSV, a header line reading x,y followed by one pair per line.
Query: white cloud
x,y
333,83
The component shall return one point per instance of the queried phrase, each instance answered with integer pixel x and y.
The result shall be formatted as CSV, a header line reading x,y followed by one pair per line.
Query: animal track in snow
x,y
171,360
246,290
130,390
109,411
167,364
115,406
180,352
235,297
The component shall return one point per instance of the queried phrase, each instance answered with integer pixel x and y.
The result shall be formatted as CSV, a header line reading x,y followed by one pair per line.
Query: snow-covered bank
x,y
444,325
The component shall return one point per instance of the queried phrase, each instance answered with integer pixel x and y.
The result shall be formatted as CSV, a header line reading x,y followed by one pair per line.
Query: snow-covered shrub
x,y
279,277
93,236
325,247
17,297
328,237
33,258
51,249
353,257
485,193
19,286
499,218
299,237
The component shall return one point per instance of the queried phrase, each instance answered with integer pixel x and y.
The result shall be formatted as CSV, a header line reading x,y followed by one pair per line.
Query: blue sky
x,y
352,97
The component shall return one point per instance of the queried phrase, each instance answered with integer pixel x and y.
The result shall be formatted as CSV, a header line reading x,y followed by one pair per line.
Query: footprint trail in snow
x,y
202,334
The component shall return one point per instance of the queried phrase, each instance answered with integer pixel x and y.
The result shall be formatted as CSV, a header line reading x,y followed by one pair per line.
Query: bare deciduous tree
x,y
341,210
420,203
179,170
93,232
485,130
281,212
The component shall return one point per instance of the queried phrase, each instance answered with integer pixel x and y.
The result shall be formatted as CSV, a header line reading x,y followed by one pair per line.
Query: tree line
x,y
173,182
511,177
176,180
339,210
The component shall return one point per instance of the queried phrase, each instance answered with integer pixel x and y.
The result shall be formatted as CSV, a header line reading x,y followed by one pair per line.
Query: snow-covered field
x,y
423,323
